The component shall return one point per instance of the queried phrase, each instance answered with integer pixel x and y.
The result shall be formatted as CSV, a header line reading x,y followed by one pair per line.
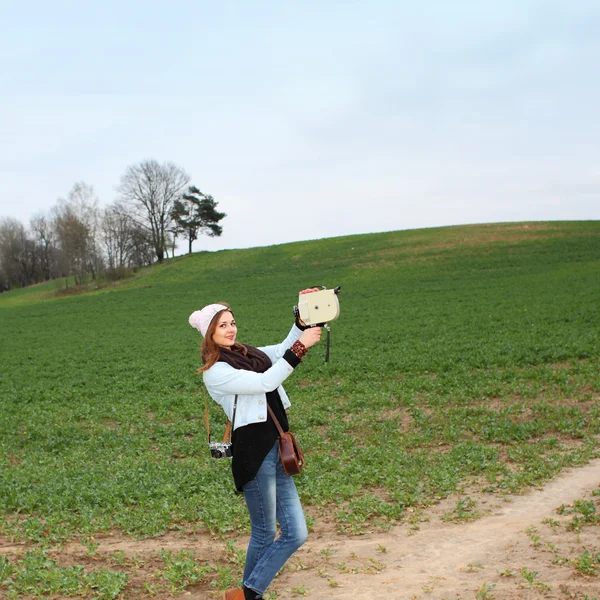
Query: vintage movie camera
x,y
220,449
318,308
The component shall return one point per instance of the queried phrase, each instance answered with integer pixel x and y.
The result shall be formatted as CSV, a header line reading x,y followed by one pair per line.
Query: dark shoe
x,y
250,594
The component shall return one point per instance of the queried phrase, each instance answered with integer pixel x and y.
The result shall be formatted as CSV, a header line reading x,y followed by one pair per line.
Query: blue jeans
x,y
271,496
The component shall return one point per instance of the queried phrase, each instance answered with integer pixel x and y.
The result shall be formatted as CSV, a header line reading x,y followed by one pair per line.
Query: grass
x,y
461,354
38,575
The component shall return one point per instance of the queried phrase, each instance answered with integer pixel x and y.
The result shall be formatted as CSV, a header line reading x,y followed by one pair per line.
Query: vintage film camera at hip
x,y
220,449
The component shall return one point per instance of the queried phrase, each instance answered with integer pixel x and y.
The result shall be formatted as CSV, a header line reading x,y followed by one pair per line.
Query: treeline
x,y
155,206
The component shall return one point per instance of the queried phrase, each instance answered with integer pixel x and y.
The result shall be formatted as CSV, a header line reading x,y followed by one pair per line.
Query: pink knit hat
x,y
200,319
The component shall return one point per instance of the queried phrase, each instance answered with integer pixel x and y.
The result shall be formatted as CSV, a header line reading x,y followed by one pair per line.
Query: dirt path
x,y
446,560
427,558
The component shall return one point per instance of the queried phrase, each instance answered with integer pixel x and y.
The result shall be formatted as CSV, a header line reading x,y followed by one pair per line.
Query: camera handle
x,y
325,326
328,343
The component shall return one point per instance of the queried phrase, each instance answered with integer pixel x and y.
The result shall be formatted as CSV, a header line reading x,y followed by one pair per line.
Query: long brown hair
x,y
209,350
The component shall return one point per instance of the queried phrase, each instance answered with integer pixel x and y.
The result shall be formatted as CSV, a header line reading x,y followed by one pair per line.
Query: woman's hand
x,y
310,336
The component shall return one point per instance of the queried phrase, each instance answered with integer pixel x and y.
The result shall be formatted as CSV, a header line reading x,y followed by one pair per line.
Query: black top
x,y
252,442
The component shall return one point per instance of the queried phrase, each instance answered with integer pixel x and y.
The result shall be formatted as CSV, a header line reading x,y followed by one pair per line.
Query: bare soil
x,y
518,548
434,558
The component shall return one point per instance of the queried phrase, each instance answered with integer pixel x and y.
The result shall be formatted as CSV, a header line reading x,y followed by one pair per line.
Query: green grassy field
x,y
462,355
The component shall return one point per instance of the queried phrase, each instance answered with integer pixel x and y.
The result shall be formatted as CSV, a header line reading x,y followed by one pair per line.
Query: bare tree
x,y
142,247
73,237
149,189
84,203
116,234
41,226
196,213
169,243
174,234
76,222
17,255
126,243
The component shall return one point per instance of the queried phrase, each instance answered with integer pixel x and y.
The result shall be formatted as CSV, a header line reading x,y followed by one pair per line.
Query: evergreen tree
x,y
196,213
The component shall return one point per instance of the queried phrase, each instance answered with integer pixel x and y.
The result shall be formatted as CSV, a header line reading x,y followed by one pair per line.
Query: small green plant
x,y
530,530
107,584
327,553
6,570
532,581
300,590
587,562
225,578
236,555
151,589
530,576
465,510
119,558
91,545
374,566
586,514
299,565
485,592
346,569
551,522
535,540
181,569
137,561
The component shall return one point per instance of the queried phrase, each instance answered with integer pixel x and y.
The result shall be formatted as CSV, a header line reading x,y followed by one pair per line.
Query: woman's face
x,y
225,331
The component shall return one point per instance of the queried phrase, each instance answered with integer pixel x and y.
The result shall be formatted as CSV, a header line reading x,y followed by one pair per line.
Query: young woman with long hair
x,y
246,379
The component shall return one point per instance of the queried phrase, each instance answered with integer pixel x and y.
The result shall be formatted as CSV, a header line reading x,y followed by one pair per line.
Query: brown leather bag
x,y
292,457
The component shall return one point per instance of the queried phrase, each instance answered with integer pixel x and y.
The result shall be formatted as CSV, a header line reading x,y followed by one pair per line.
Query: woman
x,y
250,378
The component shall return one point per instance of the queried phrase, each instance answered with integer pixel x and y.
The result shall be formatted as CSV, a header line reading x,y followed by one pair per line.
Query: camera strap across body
x,y
229,427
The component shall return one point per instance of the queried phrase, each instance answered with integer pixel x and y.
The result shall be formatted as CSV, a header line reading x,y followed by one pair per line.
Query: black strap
x,y
234,411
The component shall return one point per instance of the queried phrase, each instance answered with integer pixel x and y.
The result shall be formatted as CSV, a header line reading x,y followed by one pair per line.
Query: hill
x,y
462,354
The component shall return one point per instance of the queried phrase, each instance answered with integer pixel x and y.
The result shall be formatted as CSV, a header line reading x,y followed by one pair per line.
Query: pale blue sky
x,y
309,119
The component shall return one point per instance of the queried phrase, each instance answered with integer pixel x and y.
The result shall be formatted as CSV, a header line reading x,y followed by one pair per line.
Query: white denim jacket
x,y
223,382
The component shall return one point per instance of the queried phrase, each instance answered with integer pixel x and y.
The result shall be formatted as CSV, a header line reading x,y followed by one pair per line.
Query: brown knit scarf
x,y
256,360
